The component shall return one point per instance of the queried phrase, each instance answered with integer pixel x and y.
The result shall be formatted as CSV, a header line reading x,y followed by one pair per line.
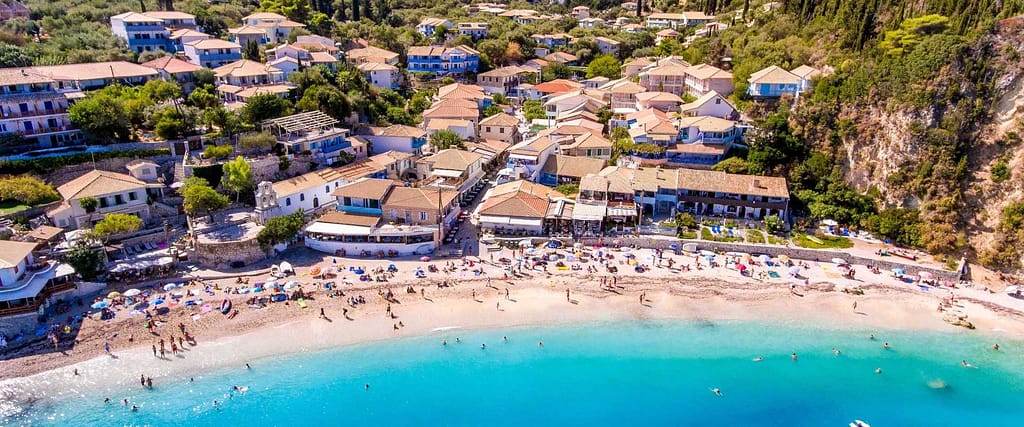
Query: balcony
x,y
36,113
45,130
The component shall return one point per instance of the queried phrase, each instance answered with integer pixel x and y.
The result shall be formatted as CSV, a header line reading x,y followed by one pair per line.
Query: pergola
x,y
301,123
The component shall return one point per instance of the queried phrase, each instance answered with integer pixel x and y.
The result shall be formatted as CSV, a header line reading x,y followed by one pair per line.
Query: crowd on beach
x,y
583,269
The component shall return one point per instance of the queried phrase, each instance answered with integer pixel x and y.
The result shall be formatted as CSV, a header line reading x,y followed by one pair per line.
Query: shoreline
x,y
287,329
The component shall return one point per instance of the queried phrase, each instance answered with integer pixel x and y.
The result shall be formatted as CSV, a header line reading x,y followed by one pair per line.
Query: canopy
x,y
114,294
741,267
764,258
707,253
783,258
794,271
101,305
926,275
287,267
525,242
169,286
132,292
291,284
839,261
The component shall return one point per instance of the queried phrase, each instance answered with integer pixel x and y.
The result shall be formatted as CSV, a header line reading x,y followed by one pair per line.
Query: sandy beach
x,y
474,302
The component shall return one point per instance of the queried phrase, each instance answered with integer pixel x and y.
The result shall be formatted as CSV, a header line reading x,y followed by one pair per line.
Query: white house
x,y
710,104
114,193
429,26
380,75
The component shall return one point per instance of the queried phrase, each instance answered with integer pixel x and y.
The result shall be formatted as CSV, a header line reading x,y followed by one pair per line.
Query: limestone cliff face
x,y
890,148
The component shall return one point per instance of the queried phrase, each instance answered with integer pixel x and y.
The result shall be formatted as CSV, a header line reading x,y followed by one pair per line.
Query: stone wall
x,y
223,254
267,167
822,255
117,164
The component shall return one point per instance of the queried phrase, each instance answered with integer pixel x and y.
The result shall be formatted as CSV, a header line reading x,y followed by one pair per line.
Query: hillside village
x,y
225,148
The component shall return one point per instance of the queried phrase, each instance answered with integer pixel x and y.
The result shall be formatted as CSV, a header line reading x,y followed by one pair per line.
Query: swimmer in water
x,y
878,370
995,347
758,358
793,356
885,346
540,344
444,342
247,366
366,386
871,337
457,339
124,402
504,339
106,400
835,351
135,408
965,364
483,346
716,391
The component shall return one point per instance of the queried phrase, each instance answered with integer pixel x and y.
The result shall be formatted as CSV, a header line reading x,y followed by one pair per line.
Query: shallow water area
x,y
639,372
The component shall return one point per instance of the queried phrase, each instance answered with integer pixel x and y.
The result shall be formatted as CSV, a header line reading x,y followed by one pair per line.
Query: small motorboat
x,y
225,306
859,423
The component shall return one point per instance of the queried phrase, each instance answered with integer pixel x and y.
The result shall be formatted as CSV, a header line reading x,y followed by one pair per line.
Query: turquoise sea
x,y
632,373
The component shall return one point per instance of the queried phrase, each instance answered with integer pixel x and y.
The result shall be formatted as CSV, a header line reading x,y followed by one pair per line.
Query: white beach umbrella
x,y
839,261
132,292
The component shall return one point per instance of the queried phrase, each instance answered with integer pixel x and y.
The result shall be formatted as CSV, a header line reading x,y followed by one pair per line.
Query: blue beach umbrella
x,y
101,305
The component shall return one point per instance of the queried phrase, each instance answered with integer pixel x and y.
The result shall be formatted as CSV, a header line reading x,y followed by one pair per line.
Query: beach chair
x,y
128,250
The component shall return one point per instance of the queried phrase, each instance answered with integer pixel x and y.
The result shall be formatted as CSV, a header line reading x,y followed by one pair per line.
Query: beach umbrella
x,y
164,260
531,250
674,246
794,271
101,305
169,286
132,292
469,258
764,258
690,247
784,258
425,258
839,261
158,301
142,306
741,267
710,258
899,271
287,267
525,242
829,222
114,294
926,275
291,285
270,284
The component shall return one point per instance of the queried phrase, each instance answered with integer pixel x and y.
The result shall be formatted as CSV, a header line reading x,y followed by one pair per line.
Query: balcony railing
x,y
36,113
47,129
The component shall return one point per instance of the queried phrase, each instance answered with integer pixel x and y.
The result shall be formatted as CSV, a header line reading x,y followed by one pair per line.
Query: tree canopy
x,y
281,229
200,198
28,190
237,176
116,223
604,66
443,139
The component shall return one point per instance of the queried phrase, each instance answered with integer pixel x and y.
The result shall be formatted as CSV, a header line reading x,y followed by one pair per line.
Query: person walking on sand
x,y
855,306
322,315
506,293
154,350
498,305
106,348
567,295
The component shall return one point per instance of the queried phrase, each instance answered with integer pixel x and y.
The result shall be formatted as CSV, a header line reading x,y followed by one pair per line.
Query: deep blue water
x,y
634,373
